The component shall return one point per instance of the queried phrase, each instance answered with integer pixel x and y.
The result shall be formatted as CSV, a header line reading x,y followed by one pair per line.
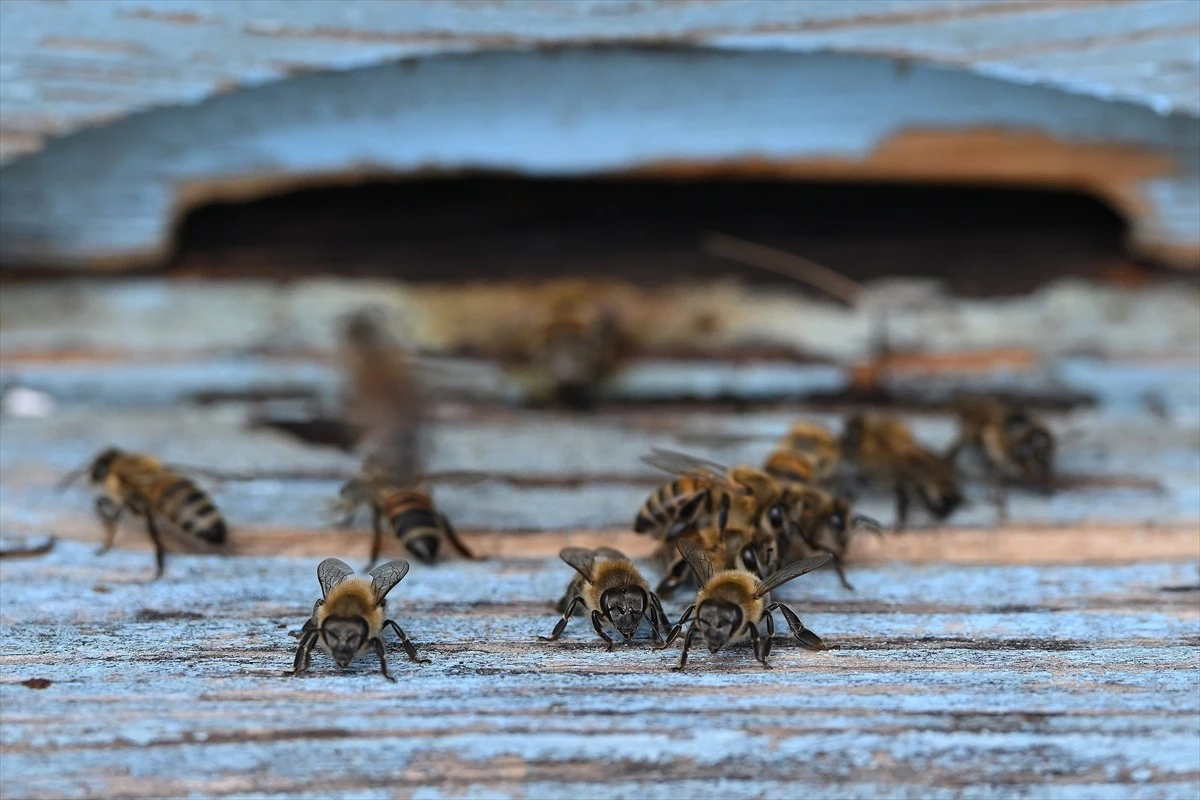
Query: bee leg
x,y
687,643
901,507
379,651
769,638
304,651
757,641
405,642
110,514
998,495
377,542
310,624
562,623
452,537
160,552
677,628
837,565
598,624
675,576
658,618
802,634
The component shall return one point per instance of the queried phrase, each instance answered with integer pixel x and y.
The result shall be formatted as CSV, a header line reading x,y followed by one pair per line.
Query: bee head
x,y
718,621
102,463
425,547
761,554
1034,453
345,637
624,607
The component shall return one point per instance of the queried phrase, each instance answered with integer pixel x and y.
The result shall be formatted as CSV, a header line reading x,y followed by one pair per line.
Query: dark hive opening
x,y
980,241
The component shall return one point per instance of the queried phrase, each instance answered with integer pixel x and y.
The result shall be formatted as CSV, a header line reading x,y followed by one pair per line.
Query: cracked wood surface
x,y
1056,657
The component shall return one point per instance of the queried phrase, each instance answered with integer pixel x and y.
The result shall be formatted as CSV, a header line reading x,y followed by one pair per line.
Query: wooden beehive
x,y
1053,656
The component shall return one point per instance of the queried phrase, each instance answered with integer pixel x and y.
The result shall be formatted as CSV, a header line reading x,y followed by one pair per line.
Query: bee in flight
x,y
732,604
351,615
406,511
885,452
734,513
612,591
147,488
1012,444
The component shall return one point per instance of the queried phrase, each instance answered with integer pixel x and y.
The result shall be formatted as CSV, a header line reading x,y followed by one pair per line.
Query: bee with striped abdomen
x,y
818,446
611,591
145,487
705,492
731,604
1012,444
350,617
407,512
885,452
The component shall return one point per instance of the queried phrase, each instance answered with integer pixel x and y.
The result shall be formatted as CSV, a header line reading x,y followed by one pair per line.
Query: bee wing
x,y
580,559
386,576
331,572
697,559
682,464
610,552
792,571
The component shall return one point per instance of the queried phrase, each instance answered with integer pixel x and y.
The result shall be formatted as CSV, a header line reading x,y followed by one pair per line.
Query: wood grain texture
x,y
134,95
1055,657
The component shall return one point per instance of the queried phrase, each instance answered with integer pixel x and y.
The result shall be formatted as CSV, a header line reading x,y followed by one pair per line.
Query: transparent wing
x,y
386,576
580,559
682,464
331,572
697,559
610,552
792,571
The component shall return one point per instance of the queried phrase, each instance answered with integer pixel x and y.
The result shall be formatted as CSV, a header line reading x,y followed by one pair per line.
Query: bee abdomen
x,y
185,505
414,519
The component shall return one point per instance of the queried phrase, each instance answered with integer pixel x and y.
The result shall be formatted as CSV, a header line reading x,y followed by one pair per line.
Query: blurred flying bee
x,y
350,617
885,452
612,591
732,604
1012,445
147,488
385,403
574,343
406,511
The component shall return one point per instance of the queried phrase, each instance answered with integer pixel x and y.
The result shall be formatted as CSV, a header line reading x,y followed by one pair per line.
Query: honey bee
x,y
732,604
385,403
147,488
816,519
574,344
705,492
408,512
1012,444
733,513
350,617
885,451
611,590
817,444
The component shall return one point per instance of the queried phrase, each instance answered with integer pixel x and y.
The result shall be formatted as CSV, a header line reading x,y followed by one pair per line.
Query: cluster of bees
x,y
737,533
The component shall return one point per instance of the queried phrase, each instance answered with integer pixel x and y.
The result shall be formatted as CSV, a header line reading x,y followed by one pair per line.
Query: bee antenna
x,y
70,478
783,263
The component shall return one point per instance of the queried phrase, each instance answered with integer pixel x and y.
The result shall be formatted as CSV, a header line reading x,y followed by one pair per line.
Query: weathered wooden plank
x,y
112,195
74,64
1090,675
